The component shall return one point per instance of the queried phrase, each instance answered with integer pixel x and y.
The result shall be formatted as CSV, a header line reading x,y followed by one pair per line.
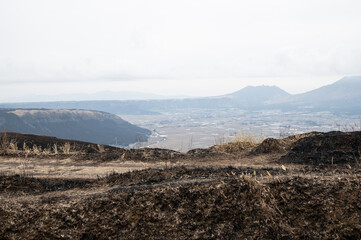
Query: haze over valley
x,y
187,123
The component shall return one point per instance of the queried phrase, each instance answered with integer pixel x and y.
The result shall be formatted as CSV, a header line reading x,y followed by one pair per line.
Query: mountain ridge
x,y
343,96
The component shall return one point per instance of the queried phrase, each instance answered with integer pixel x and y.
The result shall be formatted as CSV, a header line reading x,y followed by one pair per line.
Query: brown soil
x,y
269,191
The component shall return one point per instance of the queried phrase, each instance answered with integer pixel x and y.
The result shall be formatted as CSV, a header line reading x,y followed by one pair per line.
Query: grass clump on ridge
x,y
239,142
7,146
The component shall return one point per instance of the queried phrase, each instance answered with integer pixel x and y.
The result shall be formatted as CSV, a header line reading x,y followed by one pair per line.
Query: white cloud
x,y
227,41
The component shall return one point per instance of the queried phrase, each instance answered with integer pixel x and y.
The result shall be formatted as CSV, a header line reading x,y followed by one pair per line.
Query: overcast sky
x,y
183,47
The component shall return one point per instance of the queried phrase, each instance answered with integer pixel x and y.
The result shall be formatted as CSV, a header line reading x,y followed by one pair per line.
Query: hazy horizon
x,y
125,95
170,48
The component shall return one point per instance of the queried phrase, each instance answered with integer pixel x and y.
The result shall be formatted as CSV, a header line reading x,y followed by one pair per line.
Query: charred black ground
x,y
300,194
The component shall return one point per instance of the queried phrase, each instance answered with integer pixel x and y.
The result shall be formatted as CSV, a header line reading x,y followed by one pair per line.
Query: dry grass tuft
x,y
13,147
7,145
36,150
26,149
101,148
55,149
66,148
240,142
4,143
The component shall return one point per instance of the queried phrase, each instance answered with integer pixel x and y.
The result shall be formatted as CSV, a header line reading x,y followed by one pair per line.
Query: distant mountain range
x,y
82,125
343,96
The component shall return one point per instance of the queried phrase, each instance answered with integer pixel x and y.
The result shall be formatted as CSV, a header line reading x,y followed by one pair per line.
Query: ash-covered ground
x,y
301,187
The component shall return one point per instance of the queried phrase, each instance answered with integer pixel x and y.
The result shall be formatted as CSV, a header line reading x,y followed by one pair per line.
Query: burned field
x,y
286,194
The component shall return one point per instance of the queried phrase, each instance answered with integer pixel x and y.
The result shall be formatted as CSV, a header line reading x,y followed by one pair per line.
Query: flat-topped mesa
x,y
83,125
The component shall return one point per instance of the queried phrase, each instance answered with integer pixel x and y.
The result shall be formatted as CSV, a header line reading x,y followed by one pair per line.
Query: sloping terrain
x,y
268,190
342,96
82,125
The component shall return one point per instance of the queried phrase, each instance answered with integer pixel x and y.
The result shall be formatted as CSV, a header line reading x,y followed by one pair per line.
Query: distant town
x,y
199,128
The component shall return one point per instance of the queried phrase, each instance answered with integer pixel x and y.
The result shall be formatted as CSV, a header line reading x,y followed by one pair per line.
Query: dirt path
x,y
68,168
91,169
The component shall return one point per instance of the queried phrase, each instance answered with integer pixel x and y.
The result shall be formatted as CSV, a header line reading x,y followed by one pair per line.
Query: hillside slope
x,y
341,96
82,125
